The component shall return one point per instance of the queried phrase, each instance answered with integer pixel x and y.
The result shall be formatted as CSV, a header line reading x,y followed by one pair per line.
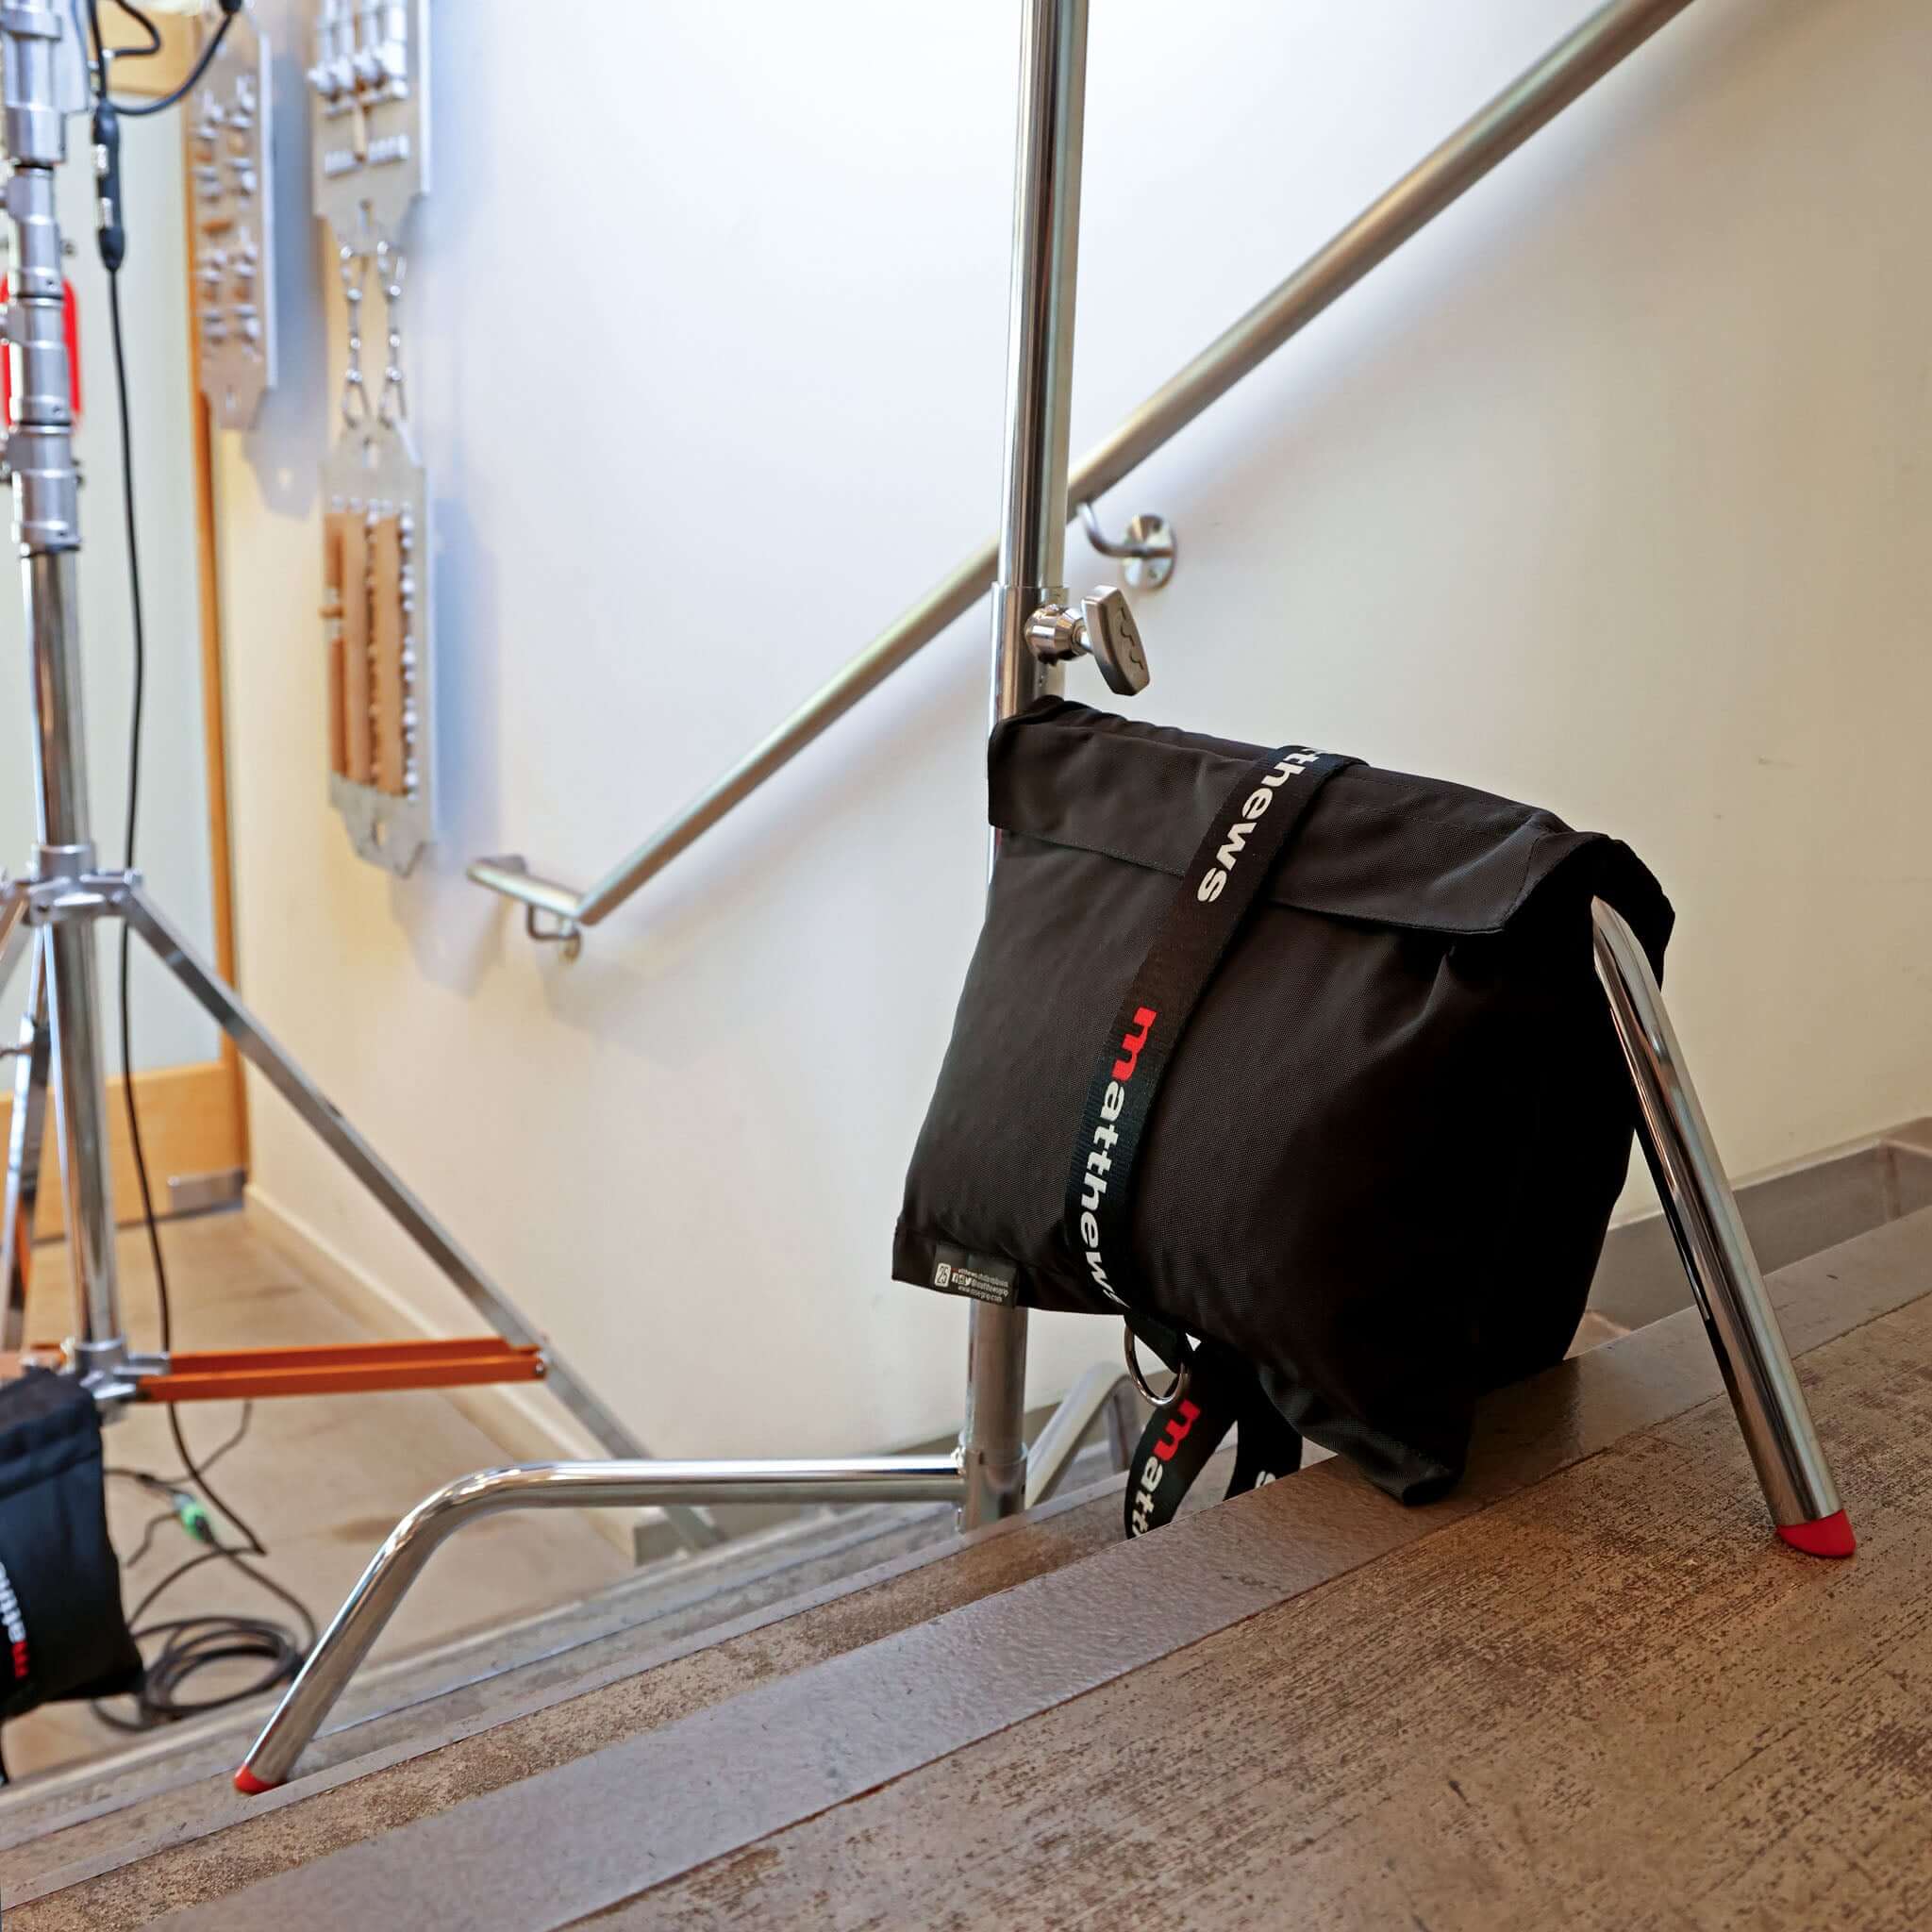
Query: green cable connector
x,y
194,1517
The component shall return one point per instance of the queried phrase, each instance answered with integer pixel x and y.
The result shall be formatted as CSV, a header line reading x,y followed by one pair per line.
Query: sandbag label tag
x,y
985,1278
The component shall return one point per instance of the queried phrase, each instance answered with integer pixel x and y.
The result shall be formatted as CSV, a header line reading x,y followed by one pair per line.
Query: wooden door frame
x,y
194,1118
179,41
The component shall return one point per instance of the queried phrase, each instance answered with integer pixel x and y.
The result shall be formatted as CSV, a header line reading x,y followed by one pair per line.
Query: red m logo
x,y
1131,1044
1178,1424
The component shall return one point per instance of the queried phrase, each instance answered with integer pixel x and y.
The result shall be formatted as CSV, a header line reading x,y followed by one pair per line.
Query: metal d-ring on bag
x,y
1304,1074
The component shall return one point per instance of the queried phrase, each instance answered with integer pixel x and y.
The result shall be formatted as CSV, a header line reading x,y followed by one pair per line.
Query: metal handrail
x,y
1535,96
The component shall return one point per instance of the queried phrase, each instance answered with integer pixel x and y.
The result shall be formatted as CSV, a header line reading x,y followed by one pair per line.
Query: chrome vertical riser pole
x,y
39,455
1716,1251
1039,343
1033,529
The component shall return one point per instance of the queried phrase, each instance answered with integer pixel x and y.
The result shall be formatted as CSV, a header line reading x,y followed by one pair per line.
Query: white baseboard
x,y
520,1420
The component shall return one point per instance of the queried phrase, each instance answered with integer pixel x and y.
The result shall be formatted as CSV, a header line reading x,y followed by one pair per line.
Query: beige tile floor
x,y
323,1479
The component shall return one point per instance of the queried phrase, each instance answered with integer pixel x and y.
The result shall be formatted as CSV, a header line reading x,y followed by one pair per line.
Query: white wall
x,y
1611,490
172,848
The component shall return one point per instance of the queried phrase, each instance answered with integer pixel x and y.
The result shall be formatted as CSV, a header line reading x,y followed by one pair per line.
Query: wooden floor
x,y
323,1480
1596,1704
1591,1689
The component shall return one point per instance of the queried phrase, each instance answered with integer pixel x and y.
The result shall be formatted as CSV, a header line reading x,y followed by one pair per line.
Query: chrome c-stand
x,y
1034,629
54,910
994,1474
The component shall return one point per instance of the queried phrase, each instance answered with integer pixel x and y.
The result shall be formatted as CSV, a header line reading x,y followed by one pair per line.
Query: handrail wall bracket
x,y
1148,548
546,923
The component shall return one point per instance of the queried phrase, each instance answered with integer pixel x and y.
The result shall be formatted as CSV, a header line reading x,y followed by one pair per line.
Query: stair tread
x,y
386,1766
611,1712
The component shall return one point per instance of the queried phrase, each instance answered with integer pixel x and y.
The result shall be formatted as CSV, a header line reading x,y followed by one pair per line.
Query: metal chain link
x,y
354,269
391,264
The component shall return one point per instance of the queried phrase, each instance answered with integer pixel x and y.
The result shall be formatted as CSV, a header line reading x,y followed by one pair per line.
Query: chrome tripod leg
x,y
1716,1251
16,934
556,1486
693,1527
1103,1394
25,1136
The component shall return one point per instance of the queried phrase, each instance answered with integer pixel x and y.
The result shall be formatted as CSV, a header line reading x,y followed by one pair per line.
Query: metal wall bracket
x,y
1149,548
369,129
372,477
545,925
231,158
370,160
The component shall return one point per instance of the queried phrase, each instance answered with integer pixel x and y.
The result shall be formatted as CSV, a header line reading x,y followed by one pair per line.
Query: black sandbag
x,y
1383,1159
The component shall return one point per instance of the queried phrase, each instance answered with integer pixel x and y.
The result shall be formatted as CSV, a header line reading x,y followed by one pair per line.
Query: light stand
x,y
54,909
1034,629
63,994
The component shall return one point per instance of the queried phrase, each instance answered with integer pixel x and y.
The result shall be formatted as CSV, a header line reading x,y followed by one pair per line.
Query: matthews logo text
x,y
1215,878
14,1625
1100,1155
1178,1424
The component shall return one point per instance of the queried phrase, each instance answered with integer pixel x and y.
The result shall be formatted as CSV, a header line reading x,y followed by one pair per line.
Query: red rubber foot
x,y
1830,1536
249,1784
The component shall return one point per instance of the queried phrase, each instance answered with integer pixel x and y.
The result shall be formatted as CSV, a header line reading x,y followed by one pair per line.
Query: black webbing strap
x,y
1247,835
1222,1390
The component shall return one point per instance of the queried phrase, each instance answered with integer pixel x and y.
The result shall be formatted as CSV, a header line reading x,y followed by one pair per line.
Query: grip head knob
x,y
1114,640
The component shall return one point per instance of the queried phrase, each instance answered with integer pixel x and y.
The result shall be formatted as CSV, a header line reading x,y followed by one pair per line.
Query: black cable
x,y
106,57
189,1643
207,1461
182,1505
147,1537
146,25
162,106
239,1558
137,717
193,1644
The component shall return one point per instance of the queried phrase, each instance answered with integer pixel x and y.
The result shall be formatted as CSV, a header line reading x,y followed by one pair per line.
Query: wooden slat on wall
x,y
188,1125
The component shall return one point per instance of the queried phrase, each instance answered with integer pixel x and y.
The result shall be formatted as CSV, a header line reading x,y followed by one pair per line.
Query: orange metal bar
x,y
230,1385
349,1368
342,1368
343,1354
